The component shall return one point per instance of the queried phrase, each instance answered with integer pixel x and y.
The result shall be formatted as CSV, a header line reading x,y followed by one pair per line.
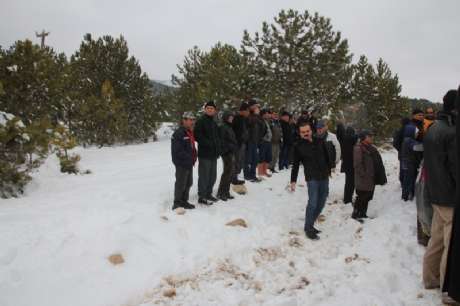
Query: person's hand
x,y
293,186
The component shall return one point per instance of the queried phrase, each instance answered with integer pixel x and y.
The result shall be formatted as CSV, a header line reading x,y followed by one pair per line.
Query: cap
x,y
188,115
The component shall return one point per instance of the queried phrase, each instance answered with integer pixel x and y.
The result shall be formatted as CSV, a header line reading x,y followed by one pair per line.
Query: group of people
x,y
427,151
254,142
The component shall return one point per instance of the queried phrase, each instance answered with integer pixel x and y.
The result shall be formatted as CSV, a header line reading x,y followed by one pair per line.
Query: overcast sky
x,y
419,39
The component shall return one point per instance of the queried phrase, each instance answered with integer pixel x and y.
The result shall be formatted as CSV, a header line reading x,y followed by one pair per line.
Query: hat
x,y
364,133
252,102
285,113
265,111
244,106
188,115
449,100
226,115
417,111
321,124
210,103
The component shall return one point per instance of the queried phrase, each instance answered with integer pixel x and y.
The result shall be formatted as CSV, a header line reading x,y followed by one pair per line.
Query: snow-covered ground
x,y
55,241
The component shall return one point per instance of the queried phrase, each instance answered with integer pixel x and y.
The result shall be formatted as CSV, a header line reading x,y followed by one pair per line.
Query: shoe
x,y
187,205
317,231
357,218
176,205
204,201
222,197
230,197
448,300
273,171
212,199
311,235
238,182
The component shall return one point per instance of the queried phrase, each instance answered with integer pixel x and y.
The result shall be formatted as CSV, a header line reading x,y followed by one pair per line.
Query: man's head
x,y
188,120
244,109
449,101
366,136
254,107
275,116
210,108
417,114
321,127
285,116
266,114
228,116
305,131
429,113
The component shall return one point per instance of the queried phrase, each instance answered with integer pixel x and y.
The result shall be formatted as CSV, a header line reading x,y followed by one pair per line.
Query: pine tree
x,y
298,61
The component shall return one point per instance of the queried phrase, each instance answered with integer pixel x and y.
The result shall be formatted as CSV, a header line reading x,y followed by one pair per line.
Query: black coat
x,y
349,141
228,139
314,158
288,135
208,137
440,161
256,129
181,149
240,127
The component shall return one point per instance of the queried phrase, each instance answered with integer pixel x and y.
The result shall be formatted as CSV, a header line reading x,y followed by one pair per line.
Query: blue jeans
x,y
252,158
284,157
317,195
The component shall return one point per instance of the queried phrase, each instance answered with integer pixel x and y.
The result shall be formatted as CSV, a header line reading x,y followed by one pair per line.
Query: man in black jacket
x,y
312,153
255,126
440,165
288,140
229,147
240,127
184,156
208,138
349,140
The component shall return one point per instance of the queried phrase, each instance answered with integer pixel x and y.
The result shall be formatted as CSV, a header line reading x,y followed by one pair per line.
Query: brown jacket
x,y
364,168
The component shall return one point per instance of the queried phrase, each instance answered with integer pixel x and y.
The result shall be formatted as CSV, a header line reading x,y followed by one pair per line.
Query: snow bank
x,y
56,241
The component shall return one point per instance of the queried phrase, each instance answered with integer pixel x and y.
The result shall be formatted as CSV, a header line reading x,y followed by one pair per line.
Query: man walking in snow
x,y
311,152
369,171
441,165
184,156
208,138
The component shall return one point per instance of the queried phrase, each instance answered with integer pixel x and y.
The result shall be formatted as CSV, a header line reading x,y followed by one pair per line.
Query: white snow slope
x,y
56,239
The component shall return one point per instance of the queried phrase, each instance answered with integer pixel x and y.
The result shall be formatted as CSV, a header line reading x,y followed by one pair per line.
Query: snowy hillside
x,y
56,240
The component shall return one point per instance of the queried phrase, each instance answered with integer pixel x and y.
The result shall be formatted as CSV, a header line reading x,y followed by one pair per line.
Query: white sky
x,y
419,39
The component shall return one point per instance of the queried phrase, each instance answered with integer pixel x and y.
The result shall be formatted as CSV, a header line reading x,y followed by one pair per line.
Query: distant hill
x,y
161,86
423,103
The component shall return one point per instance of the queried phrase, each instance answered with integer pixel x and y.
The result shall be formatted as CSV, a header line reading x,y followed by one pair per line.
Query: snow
x,y
56,239
5,117
13,68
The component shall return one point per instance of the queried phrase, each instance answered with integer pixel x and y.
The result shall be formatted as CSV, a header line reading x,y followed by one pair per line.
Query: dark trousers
x,y
226,178
317,195
239,161
284,157
362,202
184,180
349,187
207,175
401,176
252,158
409,176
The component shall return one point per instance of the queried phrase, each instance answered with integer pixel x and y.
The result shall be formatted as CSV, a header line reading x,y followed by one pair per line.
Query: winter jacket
x,y
240,127
208,137
277,134
228,139
440,160
333,139
256,129
349,141
408,156
314,158
340,132
183,149
288,136
268,132
369,169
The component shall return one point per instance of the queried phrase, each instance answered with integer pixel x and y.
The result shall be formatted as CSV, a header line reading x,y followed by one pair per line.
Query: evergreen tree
x,y
298,61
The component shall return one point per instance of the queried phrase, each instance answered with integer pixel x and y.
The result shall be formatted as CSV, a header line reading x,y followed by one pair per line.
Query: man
x,y
241,132
184,156
229,147
255,126
322,130
440,165
208,138
312,153
265,146
398,137
410,161
428,118
349,140
369,172
276,140
288,140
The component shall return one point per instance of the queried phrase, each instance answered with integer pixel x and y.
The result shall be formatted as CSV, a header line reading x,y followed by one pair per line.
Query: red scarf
x,y
192,142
